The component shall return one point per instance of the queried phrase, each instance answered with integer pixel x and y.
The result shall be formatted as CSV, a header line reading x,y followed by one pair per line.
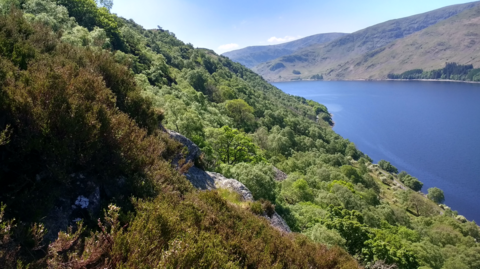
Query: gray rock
x,y
231,184
200,179
193,150
279,174
279,223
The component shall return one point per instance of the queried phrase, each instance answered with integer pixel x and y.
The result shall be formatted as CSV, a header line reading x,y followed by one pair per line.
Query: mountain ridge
x,y
323,59
253,55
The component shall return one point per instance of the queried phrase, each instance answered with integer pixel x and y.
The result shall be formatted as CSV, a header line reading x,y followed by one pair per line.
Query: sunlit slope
x,y
454,40
330,59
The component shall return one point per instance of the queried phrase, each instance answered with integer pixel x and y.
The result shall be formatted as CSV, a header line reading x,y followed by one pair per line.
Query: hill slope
x,y
456,39
252,56
85,101
322,59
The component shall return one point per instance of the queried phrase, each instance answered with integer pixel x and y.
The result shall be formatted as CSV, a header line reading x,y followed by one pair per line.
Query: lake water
x,y
429,129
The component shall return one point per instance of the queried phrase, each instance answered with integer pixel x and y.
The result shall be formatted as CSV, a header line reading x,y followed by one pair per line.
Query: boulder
x,y
279,223
231,184
193,150
200,179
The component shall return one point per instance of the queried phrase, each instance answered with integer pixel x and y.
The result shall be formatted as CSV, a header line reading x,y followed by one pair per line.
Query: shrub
x,y
436,195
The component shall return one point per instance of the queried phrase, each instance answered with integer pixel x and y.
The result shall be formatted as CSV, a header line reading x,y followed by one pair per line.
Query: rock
x,y
200,179
279,174
209,180
193,150
238,187
279,223
231,184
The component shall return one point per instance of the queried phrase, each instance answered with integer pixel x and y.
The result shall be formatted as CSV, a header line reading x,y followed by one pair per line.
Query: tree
x,y
387,166
241,112
435,194
232,146
409,181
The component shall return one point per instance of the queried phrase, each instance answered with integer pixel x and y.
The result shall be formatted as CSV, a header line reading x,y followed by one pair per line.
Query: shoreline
x,y
374,80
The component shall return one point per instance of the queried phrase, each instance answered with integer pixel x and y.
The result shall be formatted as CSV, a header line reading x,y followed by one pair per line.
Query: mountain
x,y
252,56
326,59
455,40
122,147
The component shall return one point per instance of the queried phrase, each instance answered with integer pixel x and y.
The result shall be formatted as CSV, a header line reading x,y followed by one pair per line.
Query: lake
x,y
429,129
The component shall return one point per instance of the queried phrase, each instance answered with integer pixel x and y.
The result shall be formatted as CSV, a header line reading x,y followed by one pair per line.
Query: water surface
x,y
429,129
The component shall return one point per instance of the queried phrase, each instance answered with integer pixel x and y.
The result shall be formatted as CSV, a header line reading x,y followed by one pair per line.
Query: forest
x,y
85,97
451,71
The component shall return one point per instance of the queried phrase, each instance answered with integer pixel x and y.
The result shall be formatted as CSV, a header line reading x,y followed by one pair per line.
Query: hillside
x,y
123,147
453,40
254,55
329,58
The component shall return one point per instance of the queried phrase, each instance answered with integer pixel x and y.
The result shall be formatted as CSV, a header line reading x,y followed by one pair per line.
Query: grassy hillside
x,y
252,56
330,60
453,40
85,97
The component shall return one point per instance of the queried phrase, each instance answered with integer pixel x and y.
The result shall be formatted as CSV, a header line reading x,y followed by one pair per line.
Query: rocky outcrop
x,y
200,179
279,223
222,182
279,174
193,150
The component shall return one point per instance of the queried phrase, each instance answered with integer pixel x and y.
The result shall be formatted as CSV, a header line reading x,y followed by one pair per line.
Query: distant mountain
x,y
331,60
456,39
252,56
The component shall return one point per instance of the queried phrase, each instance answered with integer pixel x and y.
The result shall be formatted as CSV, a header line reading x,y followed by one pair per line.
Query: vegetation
x,y
436,195
317,77
82,98
451,71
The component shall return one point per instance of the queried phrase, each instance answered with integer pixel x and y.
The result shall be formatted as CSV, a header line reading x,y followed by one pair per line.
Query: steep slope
x,y
252,56
322,59
456,40
84,119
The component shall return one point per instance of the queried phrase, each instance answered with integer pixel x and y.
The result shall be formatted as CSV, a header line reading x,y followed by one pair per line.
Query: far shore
x,y
427,80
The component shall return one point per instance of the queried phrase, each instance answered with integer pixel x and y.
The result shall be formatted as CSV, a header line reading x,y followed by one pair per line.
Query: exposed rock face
x,y
279,223
200,179
193,150
279,174
231,184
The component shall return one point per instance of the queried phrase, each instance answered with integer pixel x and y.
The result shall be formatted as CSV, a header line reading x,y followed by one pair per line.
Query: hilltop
x,y
254,55
332,60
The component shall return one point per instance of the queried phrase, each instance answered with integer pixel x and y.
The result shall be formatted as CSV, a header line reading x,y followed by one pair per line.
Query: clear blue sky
x,y
224,25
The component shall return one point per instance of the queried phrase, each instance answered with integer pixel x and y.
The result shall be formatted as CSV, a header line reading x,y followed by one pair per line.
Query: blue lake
x,y
429,129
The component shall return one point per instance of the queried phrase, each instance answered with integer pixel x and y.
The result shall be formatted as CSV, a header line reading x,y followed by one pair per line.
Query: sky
x,y
225,25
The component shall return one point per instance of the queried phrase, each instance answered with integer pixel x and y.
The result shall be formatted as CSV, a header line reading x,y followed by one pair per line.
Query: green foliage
x,y
387,166
258,178
241,113
232,146
409,181
198,230
451,71
317,77
73,107
436,195
322,235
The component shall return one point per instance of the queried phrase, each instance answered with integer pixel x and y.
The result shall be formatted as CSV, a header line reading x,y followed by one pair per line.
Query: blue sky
x,y
224,25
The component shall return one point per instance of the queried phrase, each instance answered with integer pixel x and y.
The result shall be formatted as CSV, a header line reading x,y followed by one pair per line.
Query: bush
x,y
387,166
436,195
